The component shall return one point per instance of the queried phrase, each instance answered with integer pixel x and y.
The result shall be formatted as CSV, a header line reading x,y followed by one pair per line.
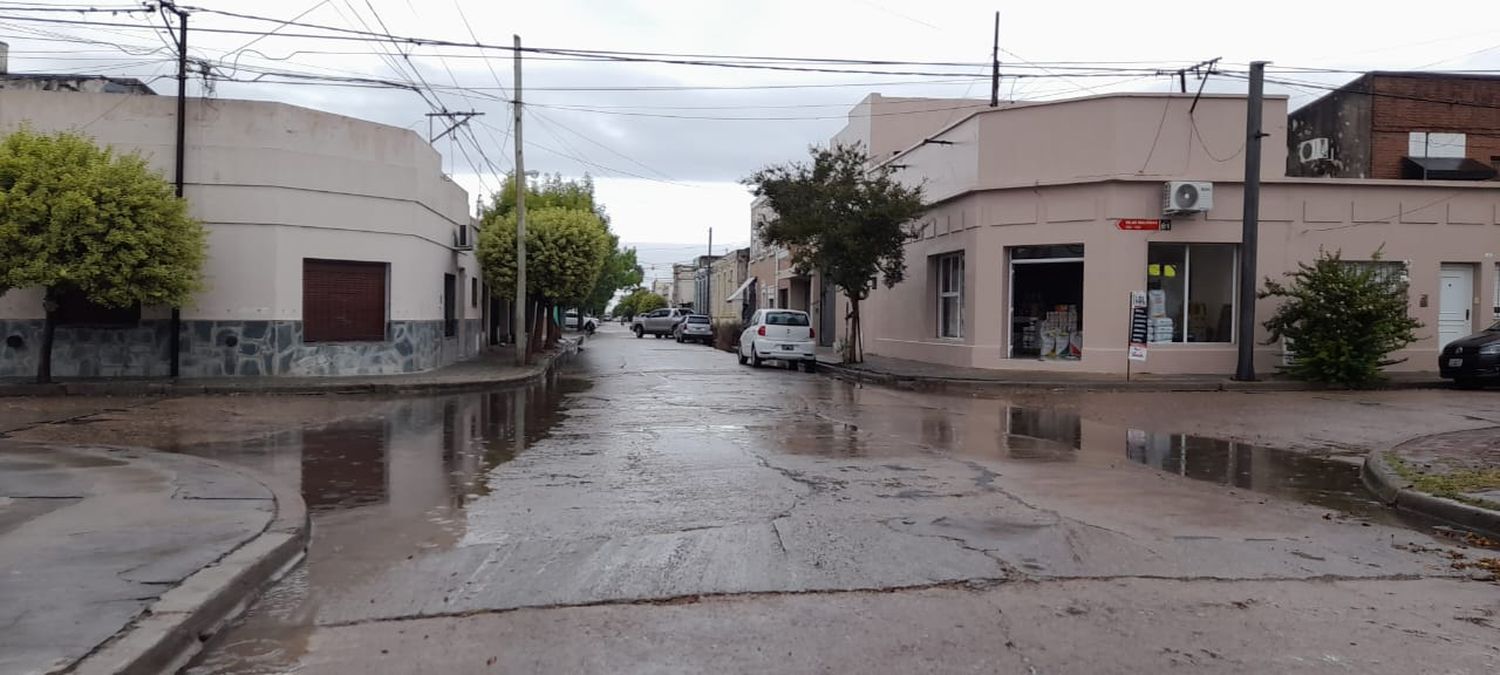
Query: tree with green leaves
x,y
1341,320
637,302
79,218
565,250
843,219
620,270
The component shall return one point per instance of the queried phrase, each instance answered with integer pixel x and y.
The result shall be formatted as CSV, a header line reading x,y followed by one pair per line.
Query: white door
x,y
1455,302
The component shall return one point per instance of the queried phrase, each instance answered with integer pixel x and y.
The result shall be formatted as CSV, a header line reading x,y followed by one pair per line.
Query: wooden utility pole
x,y
995,65
519,318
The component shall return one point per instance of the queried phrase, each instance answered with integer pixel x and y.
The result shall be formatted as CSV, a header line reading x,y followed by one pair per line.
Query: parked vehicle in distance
x,y
695,328
1473,360
658,322
570,321
779,335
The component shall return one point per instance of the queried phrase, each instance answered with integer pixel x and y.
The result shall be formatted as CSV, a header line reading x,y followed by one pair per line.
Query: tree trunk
x,y
537,329
852,351
49,329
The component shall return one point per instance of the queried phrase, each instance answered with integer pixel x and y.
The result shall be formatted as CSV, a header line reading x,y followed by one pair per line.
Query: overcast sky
x,y
666,162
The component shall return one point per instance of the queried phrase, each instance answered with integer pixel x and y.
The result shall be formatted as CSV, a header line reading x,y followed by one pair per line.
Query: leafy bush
x,y
1342,318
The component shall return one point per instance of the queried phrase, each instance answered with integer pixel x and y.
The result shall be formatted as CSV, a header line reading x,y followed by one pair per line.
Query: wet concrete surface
x,y
92,536
656,490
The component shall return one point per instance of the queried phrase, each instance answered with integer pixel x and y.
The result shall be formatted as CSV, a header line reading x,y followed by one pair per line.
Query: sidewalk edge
x,y
1396,492
176,627
541,365
961,385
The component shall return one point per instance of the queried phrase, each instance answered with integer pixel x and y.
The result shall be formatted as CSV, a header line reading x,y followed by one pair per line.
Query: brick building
x,y
1400,125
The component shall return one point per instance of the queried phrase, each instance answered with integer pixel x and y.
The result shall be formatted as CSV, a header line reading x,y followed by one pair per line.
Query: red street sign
x,y
1150,224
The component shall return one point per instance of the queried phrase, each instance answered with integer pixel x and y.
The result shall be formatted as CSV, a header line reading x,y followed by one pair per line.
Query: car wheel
x,y
679,339
639,332
809,366
754,358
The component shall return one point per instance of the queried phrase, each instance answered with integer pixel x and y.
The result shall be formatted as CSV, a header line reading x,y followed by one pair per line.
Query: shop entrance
x,y
1046,302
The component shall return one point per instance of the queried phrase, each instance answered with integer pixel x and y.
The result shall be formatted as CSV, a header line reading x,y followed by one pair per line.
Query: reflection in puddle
x,y
380,488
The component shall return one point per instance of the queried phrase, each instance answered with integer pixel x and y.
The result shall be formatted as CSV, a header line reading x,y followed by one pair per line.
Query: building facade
x,y
335,246
1400,125
684,285
729,278
1045,216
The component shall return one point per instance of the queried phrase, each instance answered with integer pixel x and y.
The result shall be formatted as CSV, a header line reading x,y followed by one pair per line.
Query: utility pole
x,y
708,278
1250,239
995,65
519,318
174,338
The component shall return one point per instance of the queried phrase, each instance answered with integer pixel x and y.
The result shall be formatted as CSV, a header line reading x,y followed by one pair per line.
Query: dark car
x,y
1473,360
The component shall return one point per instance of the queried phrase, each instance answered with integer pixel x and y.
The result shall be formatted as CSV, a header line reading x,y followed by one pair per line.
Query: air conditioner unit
x,y
464,239
1312,150
1186,197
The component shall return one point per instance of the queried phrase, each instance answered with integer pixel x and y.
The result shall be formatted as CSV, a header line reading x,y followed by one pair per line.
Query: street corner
x,y
123,559
1452,476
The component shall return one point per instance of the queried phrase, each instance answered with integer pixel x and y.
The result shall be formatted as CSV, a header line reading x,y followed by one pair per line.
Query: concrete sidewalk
x,y
121,560
489,369
924,376
1453,477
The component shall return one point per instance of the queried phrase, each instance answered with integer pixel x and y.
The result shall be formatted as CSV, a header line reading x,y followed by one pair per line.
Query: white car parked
x,y
779,335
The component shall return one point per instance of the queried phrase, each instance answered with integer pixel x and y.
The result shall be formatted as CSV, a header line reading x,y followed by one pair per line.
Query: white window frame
x,y
955,292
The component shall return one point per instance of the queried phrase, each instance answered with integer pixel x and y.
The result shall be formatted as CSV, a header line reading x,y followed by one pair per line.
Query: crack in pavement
x,y
962,543
973,584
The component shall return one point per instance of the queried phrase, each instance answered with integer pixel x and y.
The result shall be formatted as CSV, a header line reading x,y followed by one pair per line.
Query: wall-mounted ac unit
x,y
1180,197
464,239
1312,150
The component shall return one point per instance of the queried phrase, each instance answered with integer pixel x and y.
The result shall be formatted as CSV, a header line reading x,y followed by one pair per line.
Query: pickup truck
x,y
659,322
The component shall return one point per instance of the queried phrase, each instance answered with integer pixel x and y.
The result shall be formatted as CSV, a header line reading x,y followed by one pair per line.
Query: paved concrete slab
x,y
92,536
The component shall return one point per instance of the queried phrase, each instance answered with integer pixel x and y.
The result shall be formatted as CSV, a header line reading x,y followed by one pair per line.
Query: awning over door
x,y
740,292
1445,168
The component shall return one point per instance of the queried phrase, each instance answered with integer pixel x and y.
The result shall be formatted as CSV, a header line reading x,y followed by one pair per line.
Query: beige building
x,y
335,246
1045,217
884,126
684,285
729,275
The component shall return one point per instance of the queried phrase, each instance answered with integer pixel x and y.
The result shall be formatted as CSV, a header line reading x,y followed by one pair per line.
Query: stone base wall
x,y
86,351
231,349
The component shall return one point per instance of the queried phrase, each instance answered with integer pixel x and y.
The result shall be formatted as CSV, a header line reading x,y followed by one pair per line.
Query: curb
x,y
1396,492
174,628
966,385
270,387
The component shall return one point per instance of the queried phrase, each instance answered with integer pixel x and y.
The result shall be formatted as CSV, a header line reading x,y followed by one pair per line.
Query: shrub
x,y
1343,318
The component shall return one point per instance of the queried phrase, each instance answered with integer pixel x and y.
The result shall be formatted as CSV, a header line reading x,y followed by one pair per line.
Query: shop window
x,y
1191,291
343,301
450,305
1046,302
75,309
950,295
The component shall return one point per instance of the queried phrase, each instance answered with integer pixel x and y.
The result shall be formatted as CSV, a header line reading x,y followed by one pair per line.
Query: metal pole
x,y
708,278
522,336
1249,240
1182,81
995,65
174,338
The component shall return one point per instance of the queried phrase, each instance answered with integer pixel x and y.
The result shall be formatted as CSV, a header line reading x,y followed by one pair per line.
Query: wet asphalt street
x,y
658,508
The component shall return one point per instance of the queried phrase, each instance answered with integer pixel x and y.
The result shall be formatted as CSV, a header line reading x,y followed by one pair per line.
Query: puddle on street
x,y
380,489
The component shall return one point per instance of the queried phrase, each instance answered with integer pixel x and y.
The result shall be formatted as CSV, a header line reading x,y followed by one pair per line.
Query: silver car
x,y
695,328
659,322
